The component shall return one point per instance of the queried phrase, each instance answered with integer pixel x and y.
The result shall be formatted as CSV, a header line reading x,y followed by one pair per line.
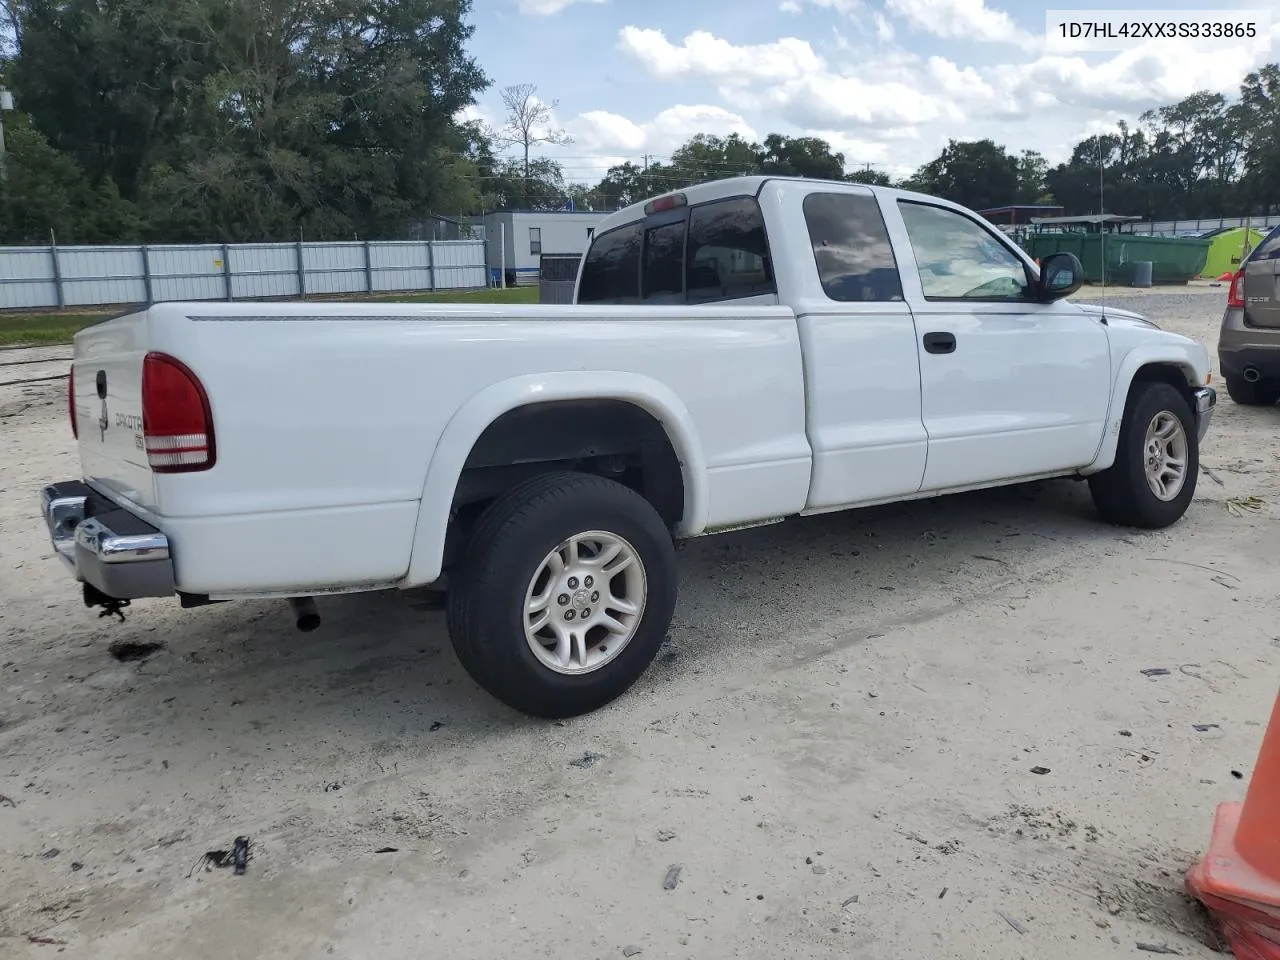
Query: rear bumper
x,y
1206,401
105,546
1242,347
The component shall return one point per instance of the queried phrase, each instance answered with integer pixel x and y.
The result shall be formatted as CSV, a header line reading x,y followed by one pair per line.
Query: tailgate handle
x,y
102,384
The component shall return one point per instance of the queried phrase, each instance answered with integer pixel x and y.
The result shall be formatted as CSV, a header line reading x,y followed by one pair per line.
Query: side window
x,y
611,273
662,278
960,260
535,240
851,248
727,255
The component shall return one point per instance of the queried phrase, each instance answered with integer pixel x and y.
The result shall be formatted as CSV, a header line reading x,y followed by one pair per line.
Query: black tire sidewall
x,y
1149,401
491,639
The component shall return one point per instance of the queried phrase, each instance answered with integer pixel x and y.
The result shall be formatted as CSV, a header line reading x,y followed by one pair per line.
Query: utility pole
x,y
6,103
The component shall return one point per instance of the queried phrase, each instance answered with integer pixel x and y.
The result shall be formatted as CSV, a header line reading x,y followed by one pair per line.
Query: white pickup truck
x,y
739,352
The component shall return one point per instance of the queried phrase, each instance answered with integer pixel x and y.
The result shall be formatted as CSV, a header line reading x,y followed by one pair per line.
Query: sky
x,y
886,82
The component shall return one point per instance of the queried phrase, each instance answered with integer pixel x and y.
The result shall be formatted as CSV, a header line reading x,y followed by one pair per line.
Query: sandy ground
x,y
836,747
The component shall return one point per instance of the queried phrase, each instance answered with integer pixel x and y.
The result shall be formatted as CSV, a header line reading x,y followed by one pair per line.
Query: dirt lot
x,y
836,747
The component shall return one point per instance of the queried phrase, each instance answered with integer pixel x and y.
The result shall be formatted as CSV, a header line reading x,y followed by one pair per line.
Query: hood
x,y
1115,315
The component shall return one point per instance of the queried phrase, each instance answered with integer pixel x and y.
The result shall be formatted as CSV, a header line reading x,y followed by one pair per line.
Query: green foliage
x,y
44,189
242,120
258,119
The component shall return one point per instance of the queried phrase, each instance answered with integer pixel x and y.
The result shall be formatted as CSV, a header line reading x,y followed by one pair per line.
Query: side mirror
x,y
1061,275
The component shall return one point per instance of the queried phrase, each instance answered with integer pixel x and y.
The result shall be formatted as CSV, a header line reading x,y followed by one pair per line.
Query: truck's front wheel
x,y
564,594
1153,479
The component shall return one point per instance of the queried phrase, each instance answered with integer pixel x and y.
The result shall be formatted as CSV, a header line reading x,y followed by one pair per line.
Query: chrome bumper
x,y
1206,399
121,555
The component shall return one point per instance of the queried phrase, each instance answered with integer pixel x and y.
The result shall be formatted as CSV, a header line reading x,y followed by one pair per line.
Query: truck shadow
x,y
381,666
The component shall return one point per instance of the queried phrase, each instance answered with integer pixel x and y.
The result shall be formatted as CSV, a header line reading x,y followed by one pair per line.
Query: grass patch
x,y
17,329
36,328
491,295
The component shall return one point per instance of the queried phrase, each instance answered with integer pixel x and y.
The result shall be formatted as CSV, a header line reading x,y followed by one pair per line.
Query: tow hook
x,y
111,606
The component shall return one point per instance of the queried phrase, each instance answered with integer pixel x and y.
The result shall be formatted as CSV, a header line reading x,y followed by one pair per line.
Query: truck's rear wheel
x,y
1153,479
564,594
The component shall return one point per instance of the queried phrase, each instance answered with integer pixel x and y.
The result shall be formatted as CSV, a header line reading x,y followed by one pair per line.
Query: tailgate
x,y
108,405
1262,292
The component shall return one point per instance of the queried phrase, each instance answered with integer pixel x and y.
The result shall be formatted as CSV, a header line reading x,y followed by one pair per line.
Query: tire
x,y
504,564
1122,492
1261,393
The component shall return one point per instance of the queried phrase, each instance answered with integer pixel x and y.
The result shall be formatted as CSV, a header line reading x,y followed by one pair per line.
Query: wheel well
x,y
1168,373
609,438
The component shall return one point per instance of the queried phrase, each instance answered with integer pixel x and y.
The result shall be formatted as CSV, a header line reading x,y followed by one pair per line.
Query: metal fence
x,y
1192,228
56,276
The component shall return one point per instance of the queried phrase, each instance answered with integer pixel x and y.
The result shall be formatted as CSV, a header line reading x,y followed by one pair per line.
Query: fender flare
x,y
1135,360
464,428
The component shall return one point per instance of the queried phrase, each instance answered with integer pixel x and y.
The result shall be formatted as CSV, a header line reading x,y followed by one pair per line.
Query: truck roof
x,y
750,187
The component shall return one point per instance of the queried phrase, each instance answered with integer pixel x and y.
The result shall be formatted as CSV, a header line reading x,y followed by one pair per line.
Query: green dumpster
x,y
1173,259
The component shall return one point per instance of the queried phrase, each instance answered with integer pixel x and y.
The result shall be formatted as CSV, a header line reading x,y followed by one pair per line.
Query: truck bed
x,y
327,417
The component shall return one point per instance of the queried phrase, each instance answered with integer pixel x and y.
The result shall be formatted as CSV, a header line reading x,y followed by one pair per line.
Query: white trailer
x,y
527,234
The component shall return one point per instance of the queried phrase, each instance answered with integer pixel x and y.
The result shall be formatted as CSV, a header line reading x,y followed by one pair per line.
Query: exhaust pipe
x,y
305,612
1252,375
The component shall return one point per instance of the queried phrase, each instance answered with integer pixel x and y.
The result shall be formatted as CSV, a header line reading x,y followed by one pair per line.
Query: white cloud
x,y
839,6
958,19
602,131
704,54
548,8
884,29
1160,71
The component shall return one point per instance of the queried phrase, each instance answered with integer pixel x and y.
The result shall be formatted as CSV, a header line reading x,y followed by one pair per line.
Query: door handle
x,y
940,342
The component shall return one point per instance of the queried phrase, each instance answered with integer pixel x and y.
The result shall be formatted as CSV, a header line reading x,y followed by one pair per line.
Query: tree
x,y
800,157
248,120
1032,168
527,125
43,190
1260,120
875,178
977,173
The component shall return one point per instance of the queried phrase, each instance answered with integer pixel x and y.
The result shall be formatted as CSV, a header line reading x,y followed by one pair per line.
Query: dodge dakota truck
x,y
738,353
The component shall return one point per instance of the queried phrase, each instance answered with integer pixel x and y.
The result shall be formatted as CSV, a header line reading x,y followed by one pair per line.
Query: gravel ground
x,y
837,747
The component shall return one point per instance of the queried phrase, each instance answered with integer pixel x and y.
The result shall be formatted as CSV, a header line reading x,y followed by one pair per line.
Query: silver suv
x,y
1249,341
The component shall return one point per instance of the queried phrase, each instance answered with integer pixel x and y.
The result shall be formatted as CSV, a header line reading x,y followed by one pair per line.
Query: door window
x,y
535,240
851,248
960,260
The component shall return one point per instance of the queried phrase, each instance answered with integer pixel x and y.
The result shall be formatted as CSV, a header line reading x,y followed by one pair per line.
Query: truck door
x,y
862,371
1010,387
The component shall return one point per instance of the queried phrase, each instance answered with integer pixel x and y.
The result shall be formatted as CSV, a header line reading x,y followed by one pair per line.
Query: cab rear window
x,y
708,253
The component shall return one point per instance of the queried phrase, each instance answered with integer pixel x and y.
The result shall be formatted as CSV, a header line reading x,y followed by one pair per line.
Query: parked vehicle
x,y
1249,341
740,352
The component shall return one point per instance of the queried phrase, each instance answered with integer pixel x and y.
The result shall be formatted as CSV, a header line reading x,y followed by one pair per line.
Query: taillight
x,y
1235,297
71,402
177,424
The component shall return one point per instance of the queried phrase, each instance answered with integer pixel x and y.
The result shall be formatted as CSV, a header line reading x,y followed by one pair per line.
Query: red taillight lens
x,y
71,402
177,424
1235,297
